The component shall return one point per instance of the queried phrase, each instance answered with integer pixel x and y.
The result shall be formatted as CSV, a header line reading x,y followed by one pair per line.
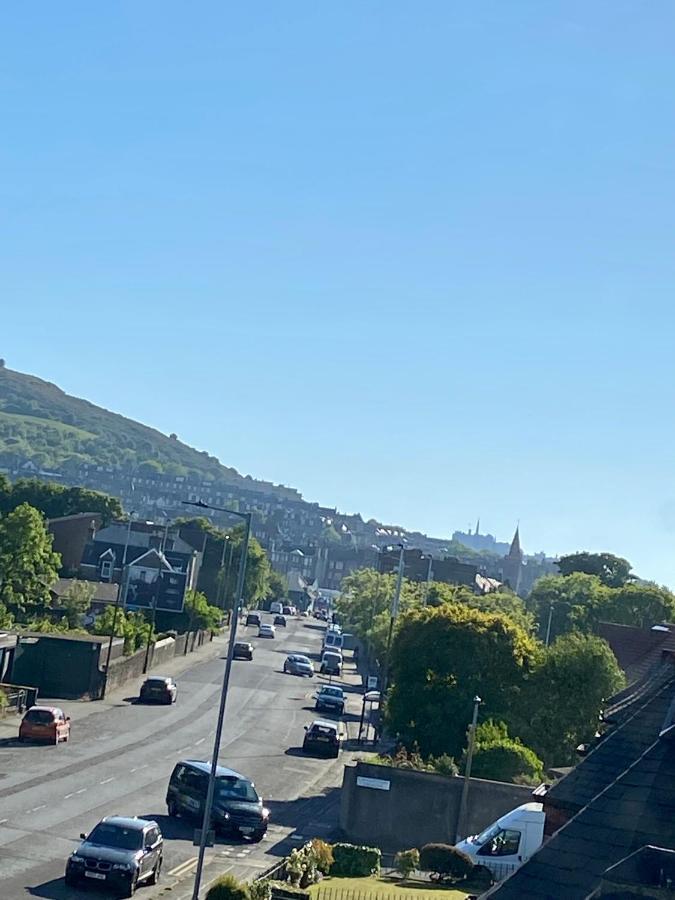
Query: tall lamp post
x,y
241,574
428,581
393,614
121,595
467,770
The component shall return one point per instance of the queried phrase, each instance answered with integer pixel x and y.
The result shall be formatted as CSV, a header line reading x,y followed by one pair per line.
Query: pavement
x,y
121,754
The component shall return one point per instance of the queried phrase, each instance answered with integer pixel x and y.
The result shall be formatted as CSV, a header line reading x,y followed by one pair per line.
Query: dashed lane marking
x,y
107,780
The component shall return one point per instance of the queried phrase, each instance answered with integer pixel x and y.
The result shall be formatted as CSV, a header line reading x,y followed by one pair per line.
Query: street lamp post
x,y
467,770
428,582
548,626
208,806
121,595
395,603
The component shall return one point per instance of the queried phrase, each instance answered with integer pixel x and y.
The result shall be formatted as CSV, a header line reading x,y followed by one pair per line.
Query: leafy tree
x,y
441,658
502,758
55,500
6,618
197,615
566,598
226,887
506,603
133,627
76,601
613,571
635,603
564,695
28,565
278,586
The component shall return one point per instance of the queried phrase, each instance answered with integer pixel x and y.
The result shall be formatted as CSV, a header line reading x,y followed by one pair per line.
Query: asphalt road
x,y
118,761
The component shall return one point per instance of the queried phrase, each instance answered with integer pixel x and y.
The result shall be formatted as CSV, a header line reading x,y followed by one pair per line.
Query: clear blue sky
x,y
415,259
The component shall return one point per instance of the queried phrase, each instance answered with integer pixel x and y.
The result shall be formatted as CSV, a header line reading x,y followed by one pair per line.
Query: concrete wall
x,y
419,807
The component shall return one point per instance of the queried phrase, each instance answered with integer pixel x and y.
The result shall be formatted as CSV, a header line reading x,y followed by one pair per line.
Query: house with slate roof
x,y
611,820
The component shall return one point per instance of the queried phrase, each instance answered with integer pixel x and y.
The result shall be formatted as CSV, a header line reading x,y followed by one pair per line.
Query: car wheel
x,y
71,880
154,876
172,809
131,889
336,754
257,836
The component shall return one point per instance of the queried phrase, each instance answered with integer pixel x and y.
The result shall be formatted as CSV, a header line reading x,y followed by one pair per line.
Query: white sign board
x,y
372,682
377,784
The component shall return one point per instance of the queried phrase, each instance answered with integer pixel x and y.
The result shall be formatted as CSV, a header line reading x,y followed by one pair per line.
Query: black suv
x,y
120,853
237,808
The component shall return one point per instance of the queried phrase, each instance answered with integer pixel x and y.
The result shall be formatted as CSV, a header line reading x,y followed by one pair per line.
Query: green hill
x,y
40,422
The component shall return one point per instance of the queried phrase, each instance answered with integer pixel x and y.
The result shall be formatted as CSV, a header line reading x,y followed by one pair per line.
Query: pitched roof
x,y
637,650
515,550
152,559
624,794
103,591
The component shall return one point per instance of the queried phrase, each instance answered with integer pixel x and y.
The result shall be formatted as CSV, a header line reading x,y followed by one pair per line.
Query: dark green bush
x,y
445,863
227,888
352,861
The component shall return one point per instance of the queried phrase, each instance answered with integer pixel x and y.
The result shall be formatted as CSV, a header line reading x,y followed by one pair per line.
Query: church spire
x,y
515,550
478,526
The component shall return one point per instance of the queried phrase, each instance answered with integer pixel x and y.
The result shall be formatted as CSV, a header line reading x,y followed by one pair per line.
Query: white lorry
x,y
509,842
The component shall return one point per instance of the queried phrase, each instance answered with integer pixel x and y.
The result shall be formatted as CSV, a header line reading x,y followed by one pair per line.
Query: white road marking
x,y
183,749
35,809
138,768
68,796
200,741
81,791
183,868
107,780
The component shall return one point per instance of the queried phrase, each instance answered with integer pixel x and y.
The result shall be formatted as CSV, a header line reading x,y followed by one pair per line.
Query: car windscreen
x,y
331,692
116,836
40,716
230,788
303,660
322,730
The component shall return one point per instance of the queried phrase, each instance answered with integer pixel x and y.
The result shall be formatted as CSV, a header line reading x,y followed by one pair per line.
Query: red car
x,y
45,723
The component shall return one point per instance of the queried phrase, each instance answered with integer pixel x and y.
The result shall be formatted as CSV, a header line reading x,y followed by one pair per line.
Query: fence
x,y
334,892
19,697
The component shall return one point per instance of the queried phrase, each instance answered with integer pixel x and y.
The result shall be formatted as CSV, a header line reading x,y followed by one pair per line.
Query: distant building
x,y
70,537
513,563
480,542
418,566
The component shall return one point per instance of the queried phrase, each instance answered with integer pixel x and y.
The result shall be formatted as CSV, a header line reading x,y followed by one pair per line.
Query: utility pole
x,y
467,771
153,616
121,595
548,626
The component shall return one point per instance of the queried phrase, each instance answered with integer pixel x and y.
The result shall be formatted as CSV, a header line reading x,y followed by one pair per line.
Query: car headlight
x,y
78,860
124,867
265,813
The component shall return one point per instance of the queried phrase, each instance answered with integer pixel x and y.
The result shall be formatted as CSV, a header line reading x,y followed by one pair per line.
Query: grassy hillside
x,y
41,422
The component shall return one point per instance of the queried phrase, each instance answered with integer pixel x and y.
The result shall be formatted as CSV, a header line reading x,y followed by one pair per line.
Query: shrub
x,y
445,863
4,702
281,890
502,758
260,890
352,861
227,888
322,855
406,861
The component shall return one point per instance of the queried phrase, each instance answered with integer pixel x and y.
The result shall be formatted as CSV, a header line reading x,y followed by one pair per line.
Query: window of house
x,y
106,569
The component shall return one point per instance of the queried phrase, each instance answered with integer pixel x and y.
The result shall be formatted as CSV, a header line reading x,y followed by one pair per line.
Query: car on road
x,y
45,723
120,853
280,620
322,737
289,610
331,698
331,663
242,650
265,630
237,808
276,607
158,689
297,664
253,618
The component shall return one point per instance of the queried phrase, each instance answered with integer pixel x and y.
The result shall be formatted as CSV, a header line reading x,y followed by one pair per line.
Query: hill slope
x,y
39,421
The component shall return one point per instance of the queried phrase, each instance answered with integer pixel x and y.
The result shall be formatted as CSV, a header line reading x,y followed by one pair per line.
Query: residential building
x,y
418,566
481,542
70,536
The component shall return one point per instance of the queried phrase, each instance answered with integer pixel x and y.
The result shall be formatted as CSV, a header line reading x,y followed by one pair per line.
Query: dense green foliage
x,y
133,627
579,602
613,571
38,421
197,615
54,500
28,565
441,658
564,695
502,758
445,863
75,602
354,861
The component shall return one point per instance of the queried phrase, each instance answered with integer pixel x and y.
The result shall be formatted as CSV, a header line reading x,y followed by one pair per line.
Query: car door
x,y
197,783
150,851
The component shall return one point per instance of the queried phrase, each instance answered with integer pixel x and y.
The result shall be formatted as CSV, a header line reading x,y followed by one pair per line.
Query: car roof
x,y
299,656
331,687
159,678
130,822
221,771
242,644
52,709
325,724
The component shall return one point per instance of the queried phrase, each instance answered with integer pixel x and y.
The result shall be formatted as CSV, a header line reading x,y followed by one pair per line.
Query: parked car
x,y
331,698
237,808
322,737
120,853
297,664
242,650
280,620
289,611
253,618
331,663
158,689
265,630
45,723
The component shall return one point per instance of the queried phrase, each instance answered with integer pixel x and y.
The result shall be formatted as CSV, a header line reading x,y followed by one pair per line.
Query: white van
x,y
333,641
276,607
509,842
